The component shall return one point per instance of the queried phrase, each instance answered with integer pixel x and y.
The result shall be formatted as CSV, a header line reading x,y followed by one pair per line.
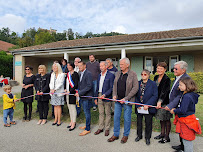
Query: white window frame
x,y
177,57
152,67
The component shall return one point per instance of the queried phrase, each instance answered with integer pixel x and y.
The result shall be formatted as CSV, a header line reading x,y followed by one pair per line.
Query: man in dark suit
x,y
104,90
85,89
180,69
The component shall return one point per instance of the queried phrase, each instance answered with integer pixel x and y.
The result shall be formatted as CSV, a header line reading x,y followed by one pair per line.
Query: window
x,y
149,64
173,59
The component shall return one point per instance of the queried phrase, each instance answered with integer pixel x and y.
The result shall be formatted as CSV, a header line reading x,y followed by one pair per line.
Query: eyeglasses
x,y
175,69
27,69
143,74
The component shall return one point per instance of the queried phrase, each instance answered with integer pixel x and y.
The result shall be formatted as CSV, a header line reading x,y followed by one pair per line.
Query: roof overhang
x,y
148,46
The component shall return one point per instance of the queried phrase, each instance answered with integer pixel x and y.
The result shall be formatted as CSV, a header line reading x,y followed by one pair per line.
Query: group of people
x,y
75,82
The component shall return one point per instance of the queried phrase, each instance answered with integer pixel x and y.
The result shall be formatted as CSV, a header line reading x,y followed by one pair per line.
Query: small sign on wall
x,y
18,63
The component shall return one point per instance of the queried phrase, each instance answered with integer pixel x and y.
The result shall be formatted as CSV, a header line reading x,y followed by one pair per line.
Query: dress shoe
x,y
147,141
159,137
98,131
179,147
164,140
113,138
58,124
85,132
54,123
44,122
106,132
124,139
68,126
71,129
39,122
137,139
82,127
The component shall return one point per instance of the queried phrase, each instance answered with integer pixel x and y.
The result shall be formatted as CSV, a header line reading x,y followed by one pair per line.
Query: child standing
x,y
185,120
8,105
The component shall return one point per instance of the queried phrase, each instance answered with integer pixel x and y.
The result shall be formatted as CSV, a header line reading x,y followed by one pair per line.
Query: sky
x,y
98,16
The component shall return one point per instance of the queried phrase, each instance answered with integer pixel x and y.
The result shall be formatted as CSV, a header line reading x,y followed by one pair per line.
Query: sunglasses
x,y
27,69
143,74
175,69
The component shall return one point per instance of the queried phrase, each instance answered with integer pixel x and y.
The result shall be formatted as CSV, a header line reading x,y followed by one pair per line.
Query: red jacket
x,y
187,127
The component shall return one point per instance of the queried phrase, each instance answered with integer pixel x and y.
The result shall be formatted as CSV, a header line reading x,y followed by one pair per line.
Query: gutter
x,y
113,44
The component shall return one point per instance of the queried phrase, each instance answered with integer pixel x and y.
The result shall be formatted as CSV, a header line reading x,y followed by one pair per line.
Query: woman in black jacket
x,y
42,86
163,82
71,84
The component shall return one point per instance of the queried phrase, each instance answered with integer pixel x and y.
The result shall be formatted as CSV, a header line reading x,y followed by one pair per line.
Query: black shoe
x,y
164,140
179,151
68,126
71,129
54,124
159,137
137,139
147,141
58,124
112,113
24,118
179,147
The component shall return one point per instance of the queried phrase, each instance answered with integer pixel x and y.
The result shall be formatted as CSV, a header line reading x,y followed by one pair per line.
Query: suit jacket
x,y
42,85
175,94
150,96
75,78
85,86
163,89
107,85
131,85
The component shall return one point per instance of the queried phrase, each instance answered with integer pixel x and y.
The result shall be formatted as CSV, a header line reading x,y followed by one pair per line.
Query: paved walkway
x,y
30,137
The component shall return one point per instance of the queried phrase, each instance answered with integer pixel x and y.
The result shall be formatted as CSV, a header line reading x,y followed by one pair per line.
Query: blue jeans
x,y
117,117
94,92
86,108
8,112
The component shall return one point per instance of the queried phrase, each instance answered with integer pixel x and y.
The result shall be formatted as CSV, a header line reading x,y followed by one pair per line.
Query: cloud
x,y
119,29
128,16
15,23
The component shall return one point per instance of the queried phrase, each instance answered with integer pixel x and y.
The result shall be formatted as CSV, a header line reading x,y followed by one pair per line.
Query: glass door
x,y
173,59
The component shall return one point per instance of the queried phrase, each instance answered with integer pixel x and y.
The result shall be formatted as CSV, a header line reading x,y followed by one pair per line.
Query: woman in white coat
x,y
57,86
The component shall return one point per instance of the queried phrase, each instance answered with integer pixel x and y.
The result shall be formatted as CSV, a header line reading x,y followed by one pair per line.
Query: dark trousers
x,y
148,125
43,109
30,109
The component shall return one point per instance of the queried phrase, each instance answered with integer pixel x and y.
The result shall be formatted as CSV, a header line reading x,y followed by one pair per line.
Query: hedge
x,y
6,64
196,76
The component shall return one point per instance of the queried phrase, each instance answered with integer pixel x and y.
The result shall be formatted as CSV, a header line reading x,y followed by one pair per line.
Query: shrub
x,y
6,64
196,76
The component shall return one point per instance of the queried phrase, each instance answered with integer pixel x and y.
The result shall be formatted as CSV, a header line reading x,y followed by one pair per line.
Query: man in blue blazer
x,y
104,90
85,89
180,69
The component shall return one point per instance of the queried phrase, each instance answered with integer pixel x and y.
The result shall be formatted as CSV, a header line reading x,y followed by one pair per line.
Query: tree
x,y
43,37
59,36
88,35
70,34
78,35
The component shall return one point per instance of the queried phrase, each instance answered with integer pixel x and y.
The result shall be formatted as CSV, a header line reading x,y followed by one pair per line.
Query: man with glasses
x,y
180,69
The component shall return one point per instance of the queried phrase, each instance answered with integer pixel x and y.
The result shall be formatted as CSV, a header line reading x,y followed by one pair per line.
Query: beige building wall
x,y
19,68
198,62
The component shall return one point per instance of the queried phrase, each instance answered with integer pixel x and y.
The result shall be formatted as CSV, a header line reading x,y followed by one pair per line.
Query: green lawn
x,y
18,114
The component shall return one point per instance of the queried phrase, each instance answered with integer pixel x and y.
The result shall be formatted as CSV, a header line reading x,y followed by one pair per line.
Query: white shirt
x,y
101,82
177,78
76,69
82,75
